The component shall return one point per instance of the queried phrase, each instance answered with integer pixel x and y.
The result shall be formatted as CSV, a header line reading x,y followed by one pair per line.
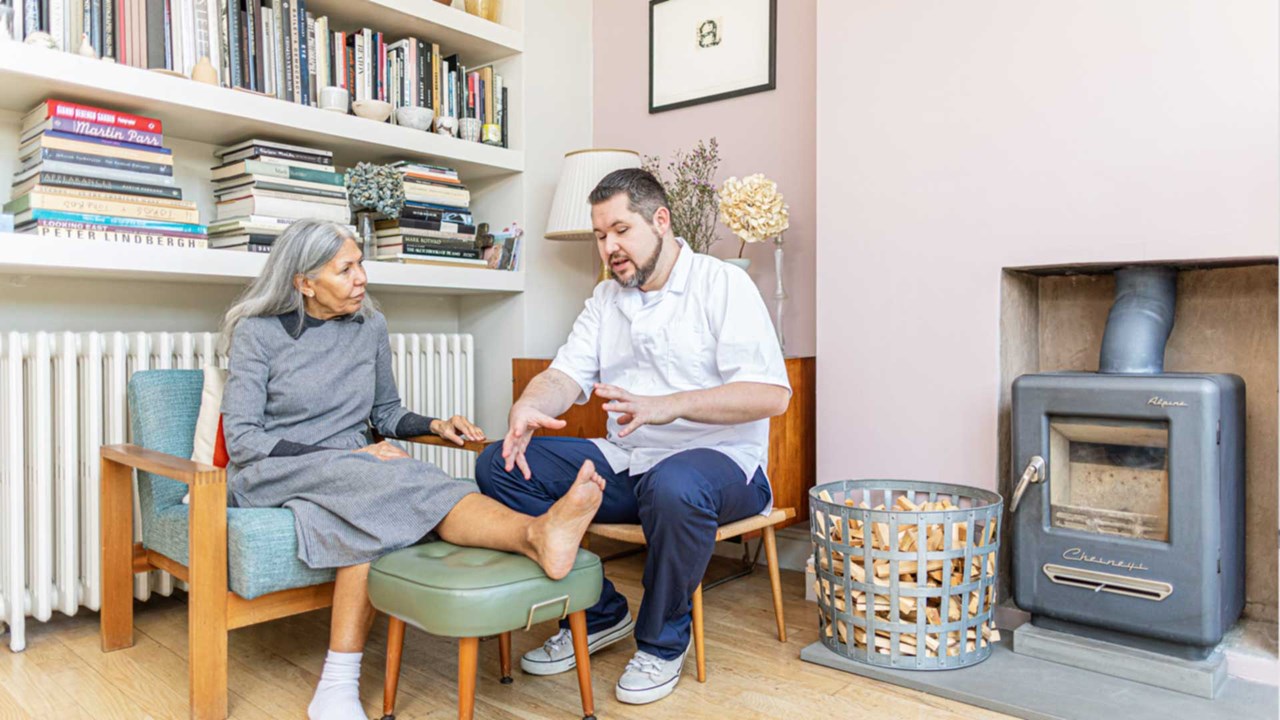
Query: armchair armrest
x,y
475,447
170,466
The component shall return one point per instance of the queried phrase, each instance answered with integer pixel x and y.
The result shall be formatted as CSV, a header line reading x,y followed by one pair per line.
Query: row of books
x,y
278,48
92,173
262,186
435,226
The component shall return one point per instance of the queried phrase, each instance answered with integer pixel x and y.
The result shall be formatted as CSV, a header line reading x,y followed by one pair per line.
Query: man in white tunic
x,y
682,348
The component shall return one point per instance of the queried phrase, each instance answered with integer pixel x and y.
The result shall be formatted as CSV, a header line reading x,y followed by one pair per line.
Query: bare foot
x,y
555,536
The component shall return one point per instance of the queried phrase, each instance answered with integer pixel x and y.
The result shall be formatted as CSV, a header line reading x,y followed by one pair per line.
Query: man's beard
x,y
643,270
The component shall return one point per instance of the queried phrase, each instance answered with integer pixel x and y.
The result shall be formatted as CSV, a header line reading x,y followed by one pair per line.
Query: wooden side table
x,y
792,450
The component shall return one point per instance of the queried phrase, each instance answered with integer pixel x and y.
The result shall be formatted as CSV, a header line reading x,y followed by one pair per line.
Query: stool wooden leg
x,y
699,650
395,650
578,627
771,556
468,663
504,656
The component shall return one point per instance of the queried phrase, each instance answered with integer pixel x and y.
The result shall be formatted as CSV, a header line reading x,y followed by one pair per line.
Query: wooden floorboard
x,y
274,668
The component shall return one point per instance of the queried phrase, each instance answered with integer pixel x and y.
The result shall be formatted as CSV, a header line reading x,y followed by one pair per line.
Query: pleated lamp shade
x,y
570,217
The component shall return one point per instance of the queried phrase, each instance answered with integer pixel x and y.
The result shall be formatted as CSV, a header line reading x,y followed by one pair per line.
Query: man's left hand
x,y
637,410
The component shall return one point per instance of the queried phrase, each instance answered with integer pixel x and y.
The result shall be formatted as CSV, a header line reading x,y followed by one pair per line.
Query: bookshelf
x,y
221,116
198,118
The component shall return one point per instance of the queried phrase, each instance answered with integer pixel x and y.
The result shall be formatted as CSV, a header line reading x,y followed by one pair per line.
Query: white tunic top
x,y
705,328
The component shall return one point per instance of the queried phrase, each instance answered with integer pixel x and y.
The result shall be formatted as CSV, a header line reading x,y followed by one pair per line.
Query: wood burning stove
x,y
1129,514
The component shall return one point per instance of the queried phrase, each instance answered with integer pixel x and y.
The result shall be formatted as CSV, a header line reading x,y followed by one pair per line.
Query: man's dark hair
x,y
645,193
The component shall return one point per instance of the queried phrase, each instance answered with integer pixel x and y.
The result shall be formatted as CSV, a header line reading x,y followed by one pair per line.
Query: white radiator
x,y
62,396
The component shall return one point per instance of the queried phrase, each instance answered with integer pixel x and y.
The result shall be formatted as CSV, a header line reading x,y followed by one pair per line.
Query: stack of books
x,y
92,173
262,186
435,226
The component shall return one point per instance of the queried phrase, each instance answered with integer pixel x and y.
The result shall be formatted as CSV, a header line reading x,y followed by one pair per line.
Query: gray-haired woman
x,y
310,371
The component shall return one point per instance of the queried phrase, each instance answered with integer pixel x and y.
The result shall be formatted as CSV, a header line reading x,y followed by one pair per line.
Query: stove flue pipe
x,y
1140,321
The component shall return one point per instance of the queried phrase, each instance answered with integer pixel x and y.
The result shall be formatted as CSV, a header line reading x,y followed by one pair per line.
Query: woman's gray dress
x,y
293,411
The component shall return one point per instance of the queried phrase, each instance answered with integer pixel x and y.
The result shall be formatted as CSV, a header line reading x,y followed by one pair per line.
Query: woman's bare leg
x,y
551,540
352,613
337,695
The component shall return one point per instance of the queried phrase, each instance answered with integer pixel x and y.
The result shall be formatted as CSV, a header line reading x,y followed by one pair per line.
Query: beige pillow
x,y
206,439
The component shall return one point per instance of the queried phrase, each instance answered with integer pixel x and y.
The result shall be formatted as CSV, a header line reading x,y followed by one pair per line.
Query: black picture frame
x,y
772,83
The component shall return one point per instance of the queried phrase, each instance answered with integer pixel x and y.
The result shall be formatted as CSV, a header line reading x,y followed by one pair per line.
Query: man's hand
x,y
637,410
383,451
523,422
457,430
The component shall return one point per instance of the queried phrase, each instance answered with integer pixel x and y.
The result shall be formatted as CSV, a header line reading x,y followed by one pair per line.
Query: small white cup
x,y
335,98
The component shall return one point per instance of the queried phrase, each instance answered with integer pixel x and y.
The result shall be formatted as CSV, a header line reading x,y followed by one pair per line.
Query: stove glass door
x,y
1110,477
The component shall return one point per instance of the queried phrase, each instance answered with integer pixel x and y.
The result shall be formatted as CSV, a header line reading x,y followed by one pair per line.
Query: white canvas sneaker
x,y
556,654
648,678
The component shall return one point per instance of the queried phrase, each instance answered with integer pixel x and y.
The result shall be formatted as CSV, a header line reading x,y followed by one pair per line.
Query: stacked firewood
x,y
936,610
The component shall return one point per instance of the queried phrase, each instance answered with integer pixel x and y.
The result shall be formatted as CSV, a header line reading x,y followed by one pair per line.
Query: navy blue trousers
x,y
679,502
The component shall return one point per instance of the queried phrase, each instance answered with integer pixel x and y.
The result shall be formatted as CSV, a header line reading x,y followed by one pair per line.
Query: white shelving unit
x,y
222,116
30,255
214,116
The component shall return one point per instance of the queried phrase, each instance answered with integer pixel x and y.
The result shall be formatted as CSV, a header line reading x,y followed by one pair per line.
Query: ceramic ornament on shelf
x,y
42,39
86,47
447,125
205,72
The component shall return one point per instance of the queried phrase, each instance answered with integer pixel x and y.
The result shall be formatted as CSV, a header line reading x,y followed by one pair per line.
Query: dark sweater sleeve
x,y
413,425
288,448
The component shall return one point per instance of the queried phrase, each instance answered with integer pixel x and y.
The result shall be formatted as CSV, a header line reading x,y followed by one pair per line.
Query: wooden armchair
x,y
240,564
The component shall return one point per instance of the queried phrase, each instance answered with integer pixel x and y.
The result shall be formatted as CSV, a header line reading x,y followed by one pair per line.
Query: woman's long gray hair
x,y
302,249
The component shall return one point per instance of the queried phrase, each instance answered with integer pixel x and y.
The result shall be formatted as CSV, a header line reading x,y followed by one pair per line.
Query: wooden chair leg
x,y
504,656
116,498
395,651
699,649
771,556
207,599
578,627
468,664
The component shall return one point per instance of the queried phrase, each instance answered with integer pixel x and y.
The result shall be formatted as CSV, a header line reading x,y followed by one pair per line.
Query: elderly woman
x,y
310,372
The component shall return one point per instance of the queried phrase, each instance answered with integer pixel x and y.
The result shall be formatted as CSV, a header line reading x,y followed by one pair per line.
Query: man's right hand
x,y
523,422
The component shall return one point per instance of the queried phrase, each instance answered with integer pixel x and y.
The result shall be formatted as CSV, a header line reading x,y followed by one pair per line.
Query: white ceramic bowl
x,y
418,118
376,110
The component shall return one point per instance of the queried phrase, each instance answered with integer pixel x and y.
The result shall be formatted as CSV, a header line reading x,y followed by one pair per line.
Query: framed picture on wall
x,y
701,51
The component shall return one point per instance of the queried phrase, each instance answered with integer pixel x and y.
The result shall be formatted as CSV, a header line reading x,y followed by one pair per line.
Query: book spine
x,y
56,25
102,161
225,28
234,34
63,109
30,16
312,59
252,36
255,167
304,73
277,49
103,173
410,248
106,132
286,25
123,237
56,135
155,29
167,35
436,226
82,204
502,118
72,181
109,225
123,222
108,49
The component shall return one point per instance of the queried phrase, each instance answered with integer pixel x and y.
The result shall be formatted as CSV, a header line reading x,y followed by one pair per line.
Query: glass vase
x,y
364,228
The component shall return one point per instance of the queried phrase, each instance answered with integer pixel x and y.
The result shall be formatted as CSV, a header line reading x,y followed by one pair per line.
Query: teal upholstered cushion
x,y
470,592
262,544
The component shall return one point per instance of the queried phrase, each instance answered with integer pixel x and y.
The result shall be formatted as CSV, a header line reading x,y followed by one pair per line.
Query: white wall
x,y
957,138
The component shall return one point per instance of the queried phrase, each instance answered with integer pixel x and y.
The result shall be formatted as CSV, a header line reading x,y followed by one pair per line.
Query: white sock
x,y
338,694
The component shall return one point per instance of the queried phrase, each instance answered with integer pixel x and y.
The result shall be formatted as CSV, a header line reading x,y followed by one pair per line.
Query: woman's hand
x,y
384,451
457,430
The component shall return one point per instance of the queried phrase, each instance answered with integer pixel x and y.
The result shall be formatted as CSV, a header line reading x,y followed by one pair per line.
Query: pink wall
x,y
770,132
959,138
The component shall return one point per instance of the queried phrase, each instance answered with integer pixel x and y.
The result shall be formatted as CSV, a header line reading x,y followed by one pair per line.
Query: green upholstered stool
x,y
469,593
